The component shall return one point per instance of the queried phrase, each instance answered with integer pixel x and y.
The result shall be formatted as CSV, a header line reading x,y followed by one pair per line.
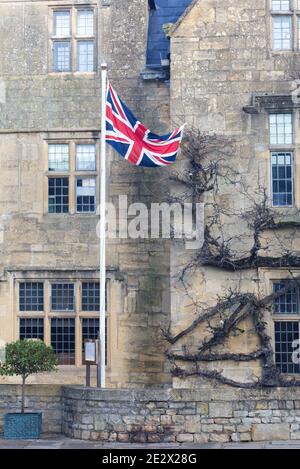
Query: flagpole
x,y
102,270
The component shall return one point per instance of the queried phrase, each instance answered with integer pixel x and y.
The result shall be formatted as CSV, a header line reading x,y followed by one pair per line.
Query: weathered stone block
x,y
244,428
155,438
261,405
201,438
220,409
99,423
185,438
202,408
219,437
245,436
211,428
87,419
192,424
269,432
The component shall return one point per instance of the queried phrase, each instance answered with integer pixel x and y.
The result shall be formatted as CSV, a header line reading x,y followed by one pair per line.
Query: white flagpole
x,y
101,358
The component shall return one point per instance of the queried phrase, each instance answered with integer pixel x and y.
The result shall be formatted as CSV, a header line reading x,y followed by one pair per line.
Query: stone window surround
x,y
73,38
294,13
273,148
72,172
268,277
49,277
292,148
261,105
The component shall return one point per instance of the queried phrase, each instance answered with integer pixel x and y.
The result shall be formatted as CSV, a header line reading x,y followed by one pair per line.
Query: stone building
x,y
233,71
50,57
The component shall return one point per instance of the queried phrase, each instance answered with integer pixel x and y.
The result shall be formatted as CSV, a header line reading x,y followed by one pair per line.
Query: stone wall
x,y
221,54
160,415
45,399
37,105
169,415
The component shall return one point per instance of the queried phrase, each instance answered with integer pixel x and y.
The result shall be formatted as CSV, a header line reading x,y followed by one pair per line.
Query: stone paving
x,y
61,442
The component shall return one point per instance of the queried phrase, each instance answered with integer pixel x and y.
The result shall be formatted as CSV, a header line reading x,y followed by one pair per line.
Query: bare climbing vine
x,y
206,158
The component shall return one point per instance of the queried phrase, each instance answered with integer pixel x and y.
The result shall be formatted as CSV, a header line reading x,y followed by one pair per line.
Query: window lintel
x,y
275,103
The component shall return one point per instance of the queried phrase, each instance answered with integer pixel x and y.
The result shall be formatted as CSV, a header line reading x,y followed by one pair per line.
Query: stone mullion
x,y
295,31
296,158
78,355
47,309
73,40
45,182
14,294
72,179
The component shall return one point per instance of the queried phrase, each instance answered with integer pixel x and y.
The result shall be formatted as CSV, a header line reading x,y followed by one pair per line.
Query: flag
x,y
133,141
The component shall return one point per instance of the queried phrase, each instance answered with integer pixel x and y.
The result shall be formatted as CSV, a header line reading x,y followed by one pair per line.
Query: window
x,y
90,329
86,195
58,157
62,297
282,179
73,50
288,302
31,328
287,330
85,49
280,5
77,162
62,49
281,129
85,59
85,22
62,56
69,319
285,333
90,296
281,134
85,157
63,339
285,24
31,296
58,195
62,23
282,32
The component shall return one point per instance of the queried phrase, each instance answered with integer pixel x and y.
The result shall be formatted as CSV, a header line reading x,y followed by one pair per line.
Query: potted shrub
x,y
24,358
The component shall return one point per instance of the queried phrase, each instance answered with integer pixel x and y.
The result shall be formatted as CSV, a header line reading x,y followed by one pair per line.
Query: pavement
x,y
61,442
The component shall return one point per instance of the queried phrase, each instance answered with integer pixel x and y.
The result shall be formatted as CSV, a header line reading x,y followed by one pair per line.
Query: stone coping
x,y
31,389
170,394
152,393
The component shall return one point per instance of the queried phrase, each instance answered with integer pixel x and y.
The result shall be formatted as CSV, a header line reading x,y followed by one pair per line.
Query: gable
x,y
199,12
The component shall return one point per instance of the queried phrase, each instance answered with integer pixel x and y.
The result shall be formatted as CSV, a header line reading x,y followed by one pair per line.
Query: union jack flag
x,y
133,141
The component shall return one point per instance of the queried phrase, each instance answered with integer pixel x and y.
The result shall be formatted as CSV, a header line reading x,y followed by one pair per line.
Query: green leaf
x,y
27,357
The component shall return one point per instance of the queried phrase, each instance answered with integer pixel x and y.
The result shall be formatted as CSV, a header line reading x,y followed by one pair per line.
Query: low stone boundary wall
x,y
160,415
181,415
39,398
